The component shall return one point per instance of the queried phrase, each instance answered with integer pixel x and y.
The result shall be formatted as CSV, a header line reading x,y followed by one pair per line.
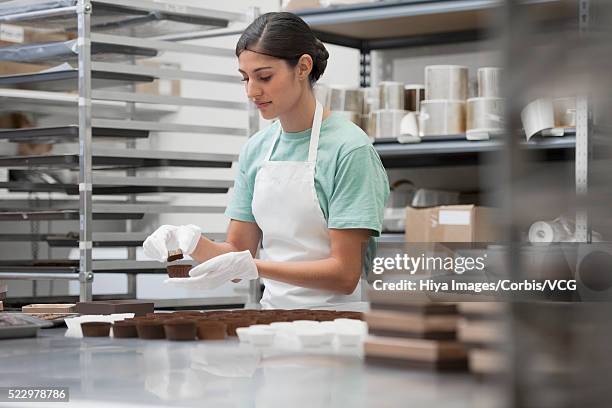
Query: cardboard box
x,y
162,86
12,35
450,223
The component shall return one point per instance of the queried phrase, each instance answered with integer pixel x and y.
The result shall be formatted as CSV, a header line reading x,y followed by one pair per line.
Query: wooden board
x,y
50,308
410,322
451,365
417,350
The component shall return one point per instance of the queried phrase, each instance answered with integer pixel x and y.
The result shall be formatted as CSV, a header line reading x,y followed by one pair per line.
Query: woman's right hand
x,y
170,238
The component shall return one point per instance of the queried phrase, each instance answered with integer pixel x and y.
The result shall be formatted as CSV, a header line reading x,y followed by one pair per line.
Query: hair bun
x,y
320,61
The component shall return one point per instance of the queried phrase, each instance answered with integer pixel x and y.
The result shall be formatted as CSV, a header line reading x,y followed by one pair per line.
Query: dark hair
x,y
286,36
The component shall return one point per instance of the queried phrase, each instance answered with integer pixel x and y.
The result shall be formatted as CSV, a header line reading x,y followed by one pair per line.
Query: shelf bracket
x,y
365,65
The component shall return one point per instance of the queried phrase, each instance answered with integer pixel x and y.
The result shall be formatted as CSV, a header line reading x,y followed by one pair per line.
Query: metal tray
x,y
73,189
18,332
67,80
60,134
120,17
102,161
51,215
43,324
66,51
99,239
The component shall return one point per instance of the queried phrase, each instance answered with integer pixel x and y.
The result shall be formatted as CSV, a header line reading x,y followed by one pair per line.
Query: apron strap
x,y
314,135
315,132
276,137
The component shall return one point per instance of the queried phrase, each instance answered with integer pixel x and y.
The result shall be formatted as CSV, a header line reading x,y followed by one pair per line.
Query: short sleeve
x,y
360,193
239,207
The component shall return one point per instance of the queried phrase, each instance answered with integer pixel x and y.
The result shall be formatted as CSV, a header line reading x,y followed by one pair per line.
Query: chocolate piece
x,y
175,255
95,329
325,317
178,271
180,329
123,329
266,319
211,330
352,315
150,329
115,306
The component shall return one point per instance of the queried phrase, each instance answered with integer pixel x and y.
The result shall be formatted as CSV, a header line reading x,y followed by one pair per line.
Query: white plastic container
x,y
261,337
311,337
243,334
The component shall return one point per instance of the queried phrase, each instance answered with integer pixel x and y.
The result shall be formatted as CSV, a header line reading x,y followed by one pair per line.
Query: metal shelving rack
x,y
387,25
125,30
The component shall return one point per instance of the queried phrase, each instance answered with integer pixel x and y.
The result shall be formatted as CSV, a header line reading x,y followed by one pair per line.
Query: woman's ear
x,y
304,67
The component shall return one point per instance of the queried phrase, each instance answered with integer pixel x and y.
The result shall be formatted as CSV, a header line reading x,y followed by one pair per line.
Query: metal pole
x,y
254,285
85,172
583,145
129,224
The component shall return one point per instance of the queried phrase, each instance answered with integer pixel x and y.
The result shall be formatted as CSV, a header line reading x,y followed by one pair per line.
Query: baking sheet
x,y
51,215
101,189
67,80
116,19
67,51
61,134
99,162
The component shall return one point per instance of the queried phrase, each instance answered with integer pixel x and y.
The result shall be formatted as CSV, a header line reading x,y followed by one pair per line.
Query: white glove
x,y
170,238
219,270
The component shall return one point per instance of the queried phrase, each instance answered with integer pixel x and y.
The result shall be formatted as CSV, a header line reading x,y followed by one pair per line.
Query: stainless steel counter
x,y
131,372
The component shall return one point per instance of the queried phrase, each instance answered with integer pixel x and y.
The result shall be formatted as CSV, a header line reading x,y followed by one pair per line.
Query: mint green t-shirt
x,y
350,180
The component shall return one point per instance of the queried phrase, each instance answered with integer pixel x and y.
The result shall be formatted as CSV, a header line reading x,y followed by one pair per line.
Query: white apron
x,y
286,208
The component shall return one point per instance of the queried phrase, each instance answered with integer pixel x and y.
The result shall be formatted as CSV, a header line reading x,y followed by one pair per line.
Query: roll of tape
x,y
441,117
448,82
484,117
489,82
371,100
391,95
413,95
345,99
386,123
538,116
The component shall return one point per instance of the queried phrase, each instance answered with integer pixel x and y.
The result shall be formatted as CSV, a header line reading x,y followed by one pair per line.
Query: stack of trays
x,y
409,333
480,329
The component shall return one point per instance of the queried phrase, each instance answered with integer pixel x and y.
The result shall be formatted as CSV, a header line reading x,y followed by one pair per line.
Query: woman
x,y
310,187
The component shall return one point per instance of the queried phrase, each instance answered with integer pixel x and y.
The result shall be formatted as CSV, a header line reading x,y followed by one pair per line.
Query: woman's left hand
x,y
221,269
